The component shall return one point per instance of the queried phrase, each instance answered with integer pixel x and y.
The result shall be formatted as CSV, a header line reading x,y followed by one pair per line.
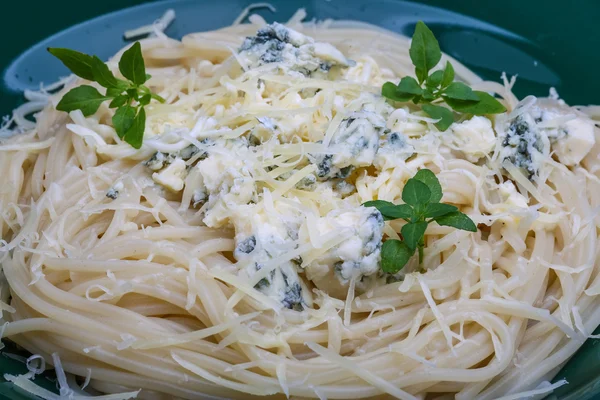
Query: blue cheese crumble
x,y
263,237
354,144
357,256
296,52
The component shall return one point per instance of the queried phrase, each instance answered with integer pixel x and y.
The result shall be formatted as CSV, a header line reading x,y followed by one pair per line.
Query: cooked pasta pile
x,y
230,256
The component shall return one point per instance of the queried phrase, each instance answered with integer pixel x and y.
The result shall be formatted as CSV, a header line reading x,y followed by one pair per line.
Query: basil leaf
x,y
390,91
119,101
390,210
132,65
78,63
394,256
409,85
412,233
415,192
123,120
434,80
135,134
460,91
85,98
445,116
424,51
103,75
448,76
434,210
432,182
486,105
145,99
113,92
428,95
457,220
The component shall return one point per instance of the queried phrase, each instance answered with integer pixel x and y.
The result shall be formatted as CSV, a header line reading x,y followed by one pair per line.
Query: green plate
x,y
548,43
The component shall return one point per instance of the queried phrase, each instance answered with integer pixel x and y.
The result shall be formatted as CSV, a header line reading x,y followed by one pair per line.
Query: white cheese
x,y
356,257
577,141
172,176
354,144
474,137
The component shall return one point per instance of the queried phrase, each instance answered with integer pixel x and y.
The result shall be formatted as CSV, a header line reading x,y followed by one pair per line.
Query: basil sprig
x,y
129,96
421,195
438,86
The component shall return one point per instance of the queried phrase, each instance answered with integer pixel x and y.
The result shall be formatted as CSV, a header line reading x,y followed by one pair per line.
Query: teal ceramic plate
x,y
548,43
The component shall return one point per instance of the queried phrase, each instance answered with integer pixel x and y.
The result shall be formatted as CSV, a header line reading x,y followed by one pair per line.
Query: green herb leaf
x,y
390,210
409,85
104,76
415,192
135,134
85,98
132,64
123,120
448,76
390,91
119,101
486,105
434,210
145,99
424,51
438,112
457,220
428,95
434,80
428,178
113,92
394,256
412,233
78,63
460,91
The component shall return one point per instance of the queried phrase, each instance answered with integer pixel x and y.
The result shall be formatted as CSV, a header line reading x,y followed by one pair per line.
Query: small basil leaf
x,y
412,233
457,220
123,120
84,98
394,256
460,91
148,76
133,93
145,99
445,116
428,95
434,210
409,85
486,105
135,134
448,76
415,192
424,51
390,91
78,63
113,92
119,101
434,80
103,75
132,64
432,182
391,211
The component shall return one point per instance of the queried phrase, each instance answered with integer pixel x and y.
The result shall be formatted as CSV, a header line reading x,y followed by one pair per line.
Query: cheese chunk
x,y
475,137
172,176
577,141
